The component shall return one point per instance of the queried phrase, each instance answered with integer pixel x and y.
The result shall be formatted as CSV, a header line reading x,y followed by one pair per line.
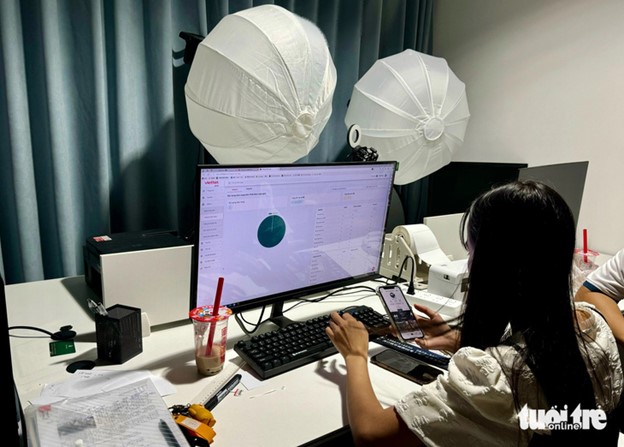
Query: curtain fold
x,y
93,126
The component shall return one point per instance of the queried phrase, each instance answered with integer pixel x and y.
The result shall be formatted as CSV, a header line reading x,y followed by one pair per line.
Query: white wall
x,y
545,84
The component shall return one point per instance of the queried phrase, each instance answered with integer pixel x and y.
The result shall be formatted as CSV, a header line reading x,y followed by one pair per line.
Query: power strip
x,y
229,369
449,307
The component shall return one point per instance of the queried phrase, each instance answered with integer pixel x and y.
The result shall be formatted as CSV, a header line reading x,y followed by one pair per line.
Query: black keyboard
x,y
284,349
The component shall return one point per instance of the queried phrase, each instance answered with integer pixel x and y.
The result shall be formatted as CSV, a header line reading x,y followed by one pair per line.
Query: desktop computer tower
x,y
147,270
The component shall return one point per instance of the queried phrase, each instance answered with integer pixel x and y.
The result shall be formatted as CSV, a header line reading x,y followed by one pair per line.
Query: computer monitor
x,y
568,179
280,232
452,188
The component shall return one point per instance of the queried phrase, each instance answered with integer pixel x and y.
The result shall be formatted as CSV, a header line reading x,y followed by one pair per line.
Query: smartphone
x,y
406,366
400,312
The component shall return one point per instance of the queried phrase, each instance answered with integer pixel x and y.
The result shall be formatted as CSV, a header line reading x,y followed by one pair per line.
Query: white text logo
x,y
555,419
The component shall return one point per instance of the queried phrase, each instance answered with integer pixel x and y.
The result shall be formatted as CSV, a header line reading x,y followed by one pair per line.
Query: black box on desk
x,y
118,334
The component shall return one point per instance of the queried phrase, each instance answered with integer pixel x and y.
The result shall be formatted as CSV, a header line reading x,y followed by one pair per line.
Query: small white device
x,y
150,270
449,280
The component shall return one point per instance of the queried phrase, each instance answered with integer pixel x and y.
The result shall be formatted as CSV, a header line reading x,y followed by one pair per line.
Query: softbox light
x,y
260,87
411,108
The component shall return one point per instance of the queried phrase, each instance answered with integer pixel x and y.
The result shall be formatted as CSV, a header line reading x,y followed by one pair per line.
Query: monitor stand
x,y
277,315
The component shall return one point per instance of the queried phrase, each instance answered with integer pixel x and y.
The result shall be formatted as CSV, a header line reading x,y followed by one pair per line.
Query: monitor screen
x,y
452,189
568,179
279,232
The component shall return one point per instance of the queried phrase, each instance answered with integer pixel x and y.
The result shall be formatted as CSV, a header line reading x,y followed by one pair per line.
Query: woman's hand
x,y
370,422
438,334
348,335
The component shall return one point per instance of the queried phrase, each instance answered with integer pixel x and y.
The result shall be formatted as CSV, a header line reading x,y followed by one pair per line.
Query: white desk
x,y
287,410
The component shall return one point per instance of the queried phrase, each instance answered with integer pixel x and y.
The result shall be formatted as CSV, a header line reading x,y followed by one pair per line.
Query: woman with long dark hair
x,y
521,345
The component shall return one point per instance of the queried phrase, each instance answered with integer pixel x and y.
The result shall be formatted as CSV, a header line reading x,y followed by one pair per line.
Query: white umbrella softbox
x,y
411,108
260,87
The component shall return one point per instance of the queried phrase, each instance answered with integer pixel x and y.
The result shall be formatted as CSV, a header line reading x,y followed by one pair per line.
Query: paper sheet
x,y
133,414
86,382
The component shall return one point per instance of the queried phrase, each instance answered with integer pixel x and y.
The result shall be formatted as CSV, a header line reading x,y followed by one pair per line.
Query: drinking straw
x,y
215,312
585,245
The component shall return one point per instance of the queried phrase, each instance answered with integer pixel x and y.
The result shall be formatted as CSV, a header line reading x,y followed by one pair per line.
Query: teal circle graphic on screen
x,y
271,231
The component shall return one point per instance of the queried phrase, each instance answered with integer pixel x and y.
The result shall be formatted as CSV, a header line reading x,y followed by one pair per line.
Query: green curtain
x,y
93,127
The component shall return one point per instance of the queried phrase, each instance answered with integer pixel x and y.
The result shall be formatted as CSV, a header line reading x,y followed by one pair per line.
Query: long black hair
x,y
521,239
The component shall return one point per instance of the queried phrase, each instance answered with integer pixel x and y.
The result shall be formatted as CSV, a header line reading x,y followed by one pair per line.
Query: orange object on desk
x,y
195,427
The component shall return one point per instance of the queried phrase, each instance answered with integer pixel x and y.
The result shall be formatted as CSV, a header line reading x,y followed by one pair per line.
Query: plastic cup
x,y
584,263
210,338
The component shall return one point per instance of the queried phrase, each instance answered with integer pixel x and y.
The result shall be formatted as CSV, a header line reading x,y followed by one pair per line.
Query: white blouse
x,y
609,277
472,404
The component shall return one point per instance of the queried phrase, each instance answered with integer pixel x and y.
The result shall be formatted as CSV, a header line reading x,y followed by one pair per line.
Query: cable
x,y
347,289
64,334
410,287
382,280
241,322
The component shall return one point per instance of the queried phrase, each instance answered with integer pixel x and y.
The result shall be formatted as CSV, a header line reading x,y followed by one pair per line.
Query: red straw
x,y
215,312
585,245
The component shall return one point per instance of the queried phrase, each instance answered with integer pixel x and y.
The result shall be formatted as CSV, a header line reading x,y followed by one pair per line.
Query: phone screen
x,y
400,312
